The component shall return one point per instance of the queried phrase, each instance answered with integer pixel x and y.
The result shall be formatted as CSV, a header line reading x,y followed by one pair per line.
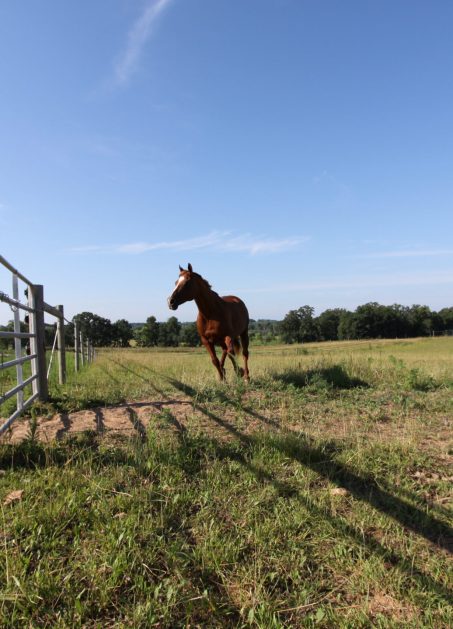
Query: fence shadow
x,y
320,458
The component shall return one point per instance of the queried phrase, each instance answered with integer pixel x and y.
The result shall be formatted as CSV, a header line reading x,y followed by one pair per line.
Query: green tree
x,y
328,322
189,335
421,320
98,329
446,318
346,326
289,327
308,328
148,334
169,333
122,333
299,326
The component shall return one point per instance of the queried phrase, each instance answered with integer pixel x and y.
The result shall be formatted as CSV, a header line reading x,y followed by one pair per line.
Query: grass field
x,y
319,495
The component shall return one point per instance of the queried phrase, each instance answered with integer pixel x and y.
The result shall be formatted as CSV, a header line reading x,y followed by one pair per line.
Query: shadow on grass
x,y
83,446
334,377
191,453
320,458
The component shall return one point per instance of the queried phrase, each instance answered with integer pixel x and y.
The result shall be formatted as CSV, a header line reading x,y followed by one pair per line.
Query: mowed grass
x,y
319,495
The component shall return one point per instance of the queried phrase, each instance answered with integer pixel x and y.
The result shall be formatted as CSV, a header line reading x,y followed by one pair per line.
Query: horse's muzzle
x,y
172,304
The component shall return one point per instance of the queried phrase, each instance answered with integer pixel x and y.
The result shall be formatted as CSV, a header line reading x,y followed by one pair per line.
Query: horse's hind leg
x,y
231,344
245,353
223,358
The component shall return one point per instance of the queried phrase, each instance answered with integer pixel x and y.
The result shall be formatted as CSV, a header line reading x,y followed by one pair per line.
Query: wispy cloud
x,y
223,241
364,281
407,253
137,38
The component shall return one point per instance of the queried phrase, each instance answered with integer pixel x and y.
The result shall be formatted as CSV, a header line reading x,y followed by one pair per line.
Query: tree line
x,y
371,320
121,333
368,321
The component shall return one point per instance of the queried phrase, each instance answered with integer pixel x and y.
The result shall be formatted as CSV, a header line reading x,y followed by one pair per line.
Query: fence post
x,y
18,344
61,348
81,349
76,346
39,341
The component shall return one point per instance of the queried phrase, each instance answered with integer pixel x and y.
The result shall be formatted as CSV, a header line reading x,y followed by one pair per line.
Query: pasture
x,y
318,495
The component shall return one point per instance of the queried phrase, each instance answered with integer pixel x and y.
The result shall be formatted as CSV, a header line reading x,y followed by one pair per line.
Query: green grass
x,y
317,496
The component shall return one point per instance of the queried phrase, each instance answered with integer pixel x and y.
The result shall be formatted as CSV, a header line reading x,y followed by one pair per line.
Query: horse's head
x,y
184,289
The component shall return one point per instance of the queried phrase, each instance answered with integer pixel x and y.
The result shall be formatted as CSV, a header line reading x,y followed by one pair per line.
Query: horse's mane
x,y
205,282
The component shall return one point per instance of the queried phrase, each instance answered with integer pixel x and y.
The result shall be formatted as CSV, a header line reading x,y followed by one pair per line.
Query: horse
x,y
221,320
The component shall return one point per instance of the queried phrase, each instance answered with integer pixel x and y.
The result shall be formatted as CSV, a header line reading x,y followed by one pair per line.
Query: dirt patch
x,y
130,419
386,605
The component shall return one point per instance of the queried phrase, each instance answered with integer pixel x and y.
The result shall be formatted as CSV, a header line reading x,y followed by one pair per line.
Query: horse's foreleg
x,y
245,354
215,361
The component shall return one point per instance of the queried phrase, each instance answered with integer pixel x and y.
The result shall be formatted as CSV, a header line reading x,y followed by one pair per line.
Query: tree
x,y
122,333
346,326
189,335
169,333
289,327
420,319
328,322
308,328
148,334
299,326
96,328
446,318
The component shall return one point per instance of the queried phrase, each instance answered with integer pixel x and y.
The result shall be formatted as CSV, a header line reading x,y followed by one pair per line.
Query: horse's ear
x,y
180,268
189,266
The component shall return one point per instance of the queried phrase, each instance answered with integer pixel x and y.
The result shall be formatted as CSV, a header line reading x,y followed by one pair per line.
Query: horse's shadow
x,y
334,377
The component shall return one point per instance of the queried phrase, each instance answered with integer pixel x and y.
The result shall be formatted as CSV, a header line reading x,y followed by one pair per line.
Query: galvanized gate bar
x,y
17,414
19,335
12,392
12,302
18,361
14,271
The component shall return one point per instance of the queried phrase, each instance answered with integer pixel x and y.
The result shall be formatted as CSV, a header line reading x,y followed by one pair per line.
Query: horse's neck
x,y
208,302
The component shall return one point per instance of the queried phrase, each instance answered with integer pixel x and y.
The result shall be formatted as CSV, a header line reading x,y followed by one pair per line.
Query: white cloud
x,y
249,244
215,241
368,281
138,35
408,253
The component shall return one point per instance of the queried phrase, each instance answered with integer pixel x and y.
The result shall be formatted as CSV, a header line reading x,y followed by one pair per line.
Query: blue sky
x,y
295,152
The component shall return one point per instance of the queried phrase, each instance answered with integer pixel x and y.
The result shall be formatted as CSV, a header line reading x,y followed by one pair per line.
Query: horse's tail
x,y
237,346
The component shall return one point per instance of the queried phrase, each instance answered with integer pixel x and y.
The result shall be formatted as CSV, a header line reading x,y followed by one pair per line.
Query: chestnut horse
x,y
221,320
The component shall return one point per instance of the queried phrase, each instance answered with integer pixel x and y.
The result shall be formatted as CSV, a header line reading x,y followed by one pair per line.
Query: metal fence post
x,y
18,344
61,348
76,346
81,350
37,297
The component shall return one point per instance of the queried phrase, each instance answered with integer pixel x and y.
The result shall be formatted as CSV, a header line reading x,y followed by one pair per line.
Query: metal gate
x,y
35,337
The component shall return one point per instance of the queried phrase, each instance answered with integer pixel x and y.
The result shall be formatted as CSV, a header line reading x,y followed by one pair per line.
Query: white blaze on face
x,y
180,281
